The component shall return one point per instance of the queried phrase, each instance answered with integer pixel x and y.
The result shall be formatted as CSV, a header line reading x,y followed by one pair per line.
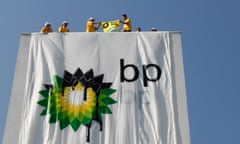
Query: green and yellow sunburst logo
x,y
77,99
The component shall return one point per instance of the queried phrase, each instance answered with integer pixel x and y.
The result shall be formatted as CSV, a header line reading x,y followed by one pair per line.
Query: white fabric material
x,y
142,114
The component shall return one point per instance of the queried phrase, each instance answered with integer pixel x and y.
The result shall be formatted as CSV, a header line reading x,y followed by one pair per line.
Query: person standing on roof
x,y
64,27
153,29
47,28
91,25
138,29
127,24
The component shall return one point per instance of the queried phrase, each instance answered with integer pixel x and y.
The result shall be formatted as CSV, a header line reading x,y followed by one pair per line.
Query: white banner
x,y
112,88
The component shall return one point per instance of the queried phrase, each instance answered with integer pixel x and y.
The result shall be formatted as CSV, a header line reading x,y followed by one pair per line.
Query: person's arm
x,y
98,25
60,29
125,22
43,30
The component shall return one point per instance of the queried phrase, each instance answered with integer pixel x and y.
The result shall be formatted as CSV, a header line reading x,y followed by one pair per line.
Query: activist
x,y
138,29
64,27
47,28
153,29
127,24
90,26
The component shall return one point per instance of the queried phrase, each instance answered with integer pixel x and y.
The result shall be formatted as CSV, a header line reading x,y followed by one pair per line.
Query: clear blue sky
x,y
211,49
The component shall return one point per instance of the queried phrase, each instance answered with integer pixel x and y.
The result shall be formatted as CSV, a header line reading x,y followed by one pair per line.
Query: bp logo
x,y
77,99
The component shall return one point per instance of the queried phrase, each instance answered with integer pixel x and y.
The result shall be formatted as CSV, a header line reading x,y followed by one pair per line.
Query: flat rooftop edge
x,y
29,33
